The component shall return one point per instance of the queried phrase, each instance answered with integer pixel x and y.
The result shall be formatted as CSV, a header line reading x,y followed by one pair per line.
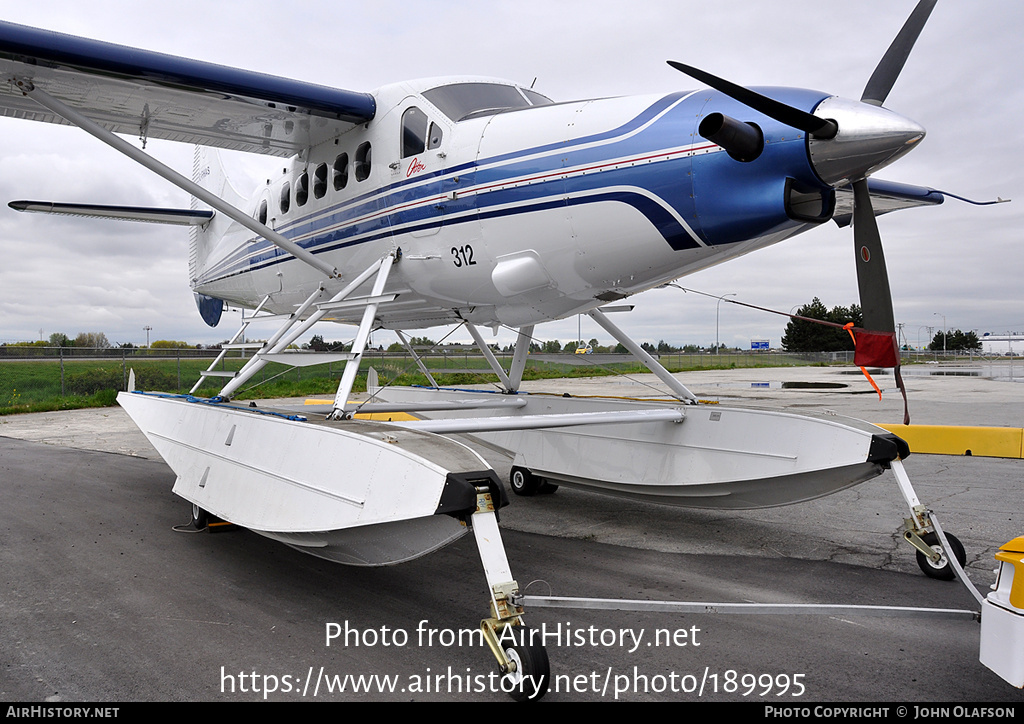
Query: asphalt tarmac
x,y
105,600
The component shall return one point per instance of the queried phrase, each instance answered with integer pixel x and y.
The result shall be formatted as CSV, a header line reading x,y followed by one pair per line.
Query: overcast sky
x,y
962,82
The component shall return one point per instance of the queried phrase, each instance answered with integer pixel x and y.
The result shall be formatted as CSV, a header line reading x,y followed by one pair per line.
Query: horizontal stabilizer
x,y
147,214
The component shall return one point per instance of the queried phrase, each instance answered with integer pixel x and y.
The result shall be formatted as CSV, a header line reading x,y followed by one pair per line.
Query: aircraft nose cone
x,y
869,138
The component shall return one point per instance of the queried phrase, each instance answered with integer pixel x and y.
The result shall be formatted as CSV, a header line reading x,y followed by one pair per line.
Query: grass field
x,y
33,385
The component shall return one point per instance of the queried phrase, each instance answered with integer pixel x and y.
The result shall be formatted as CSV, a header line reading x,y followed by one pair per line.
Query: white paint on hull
x,y
352,491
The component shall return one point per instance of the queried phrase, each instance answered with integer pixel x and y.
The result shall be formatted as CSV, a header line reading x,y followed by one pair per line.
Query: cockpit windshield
x,y
461,101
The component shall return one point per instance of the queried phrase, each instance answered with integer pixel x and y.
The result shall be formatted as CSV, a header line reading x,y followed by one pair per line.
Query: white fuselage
x,y
511,218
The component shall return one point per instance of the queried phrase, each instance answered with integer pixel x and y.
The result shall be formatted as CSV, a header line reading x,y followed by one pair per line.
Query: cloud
x,y
961,82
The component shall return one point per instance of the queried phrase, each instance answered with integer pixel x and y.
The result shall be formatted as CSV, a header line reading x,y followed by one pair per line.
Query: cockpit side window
x,y
536,98
414,132
434,136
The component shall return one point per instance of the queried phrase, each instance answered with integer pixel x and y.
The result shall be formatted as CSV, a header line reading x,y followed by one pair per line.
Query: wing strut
x,y
416,358
77,119
280,340
489,355
342,407
640,353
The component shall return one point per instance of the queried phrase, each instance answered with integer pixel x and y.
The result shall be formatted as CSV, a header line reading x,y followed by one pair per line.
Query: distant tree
x,y
648,347
552,346
94,340
804,336
956,341
59,339
168,344
317,344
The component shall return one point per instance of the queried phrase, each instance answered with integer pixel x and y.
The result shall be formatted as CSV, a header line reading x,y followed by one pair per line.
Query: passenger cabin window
x,y
414,132
302,189
362,165
286,197
320,181
261,216
461,101
341,172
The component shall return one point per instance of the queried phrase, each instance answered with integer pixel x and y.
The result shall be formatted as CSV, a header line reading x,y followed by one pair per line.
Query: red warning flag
x,y
878,349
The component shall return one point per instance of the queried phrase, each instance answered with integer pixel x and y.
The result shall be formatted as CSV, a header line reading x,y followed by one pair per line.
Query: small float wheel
x,y
530,680
200,518
523,482
942,570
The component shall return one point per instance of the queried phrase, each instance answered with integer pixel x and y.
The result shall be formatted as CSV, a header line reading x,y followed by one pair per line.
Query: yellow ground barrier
x,y
990,442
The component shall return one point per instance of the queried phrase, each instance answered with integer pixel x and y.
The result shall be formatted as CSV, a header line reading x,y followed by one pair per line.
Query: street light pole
x,y
718,308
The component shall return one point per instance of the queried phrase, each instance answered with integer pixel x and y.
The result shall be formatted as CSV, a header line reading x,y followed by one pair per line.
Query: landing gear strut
x,y
522,661
931,557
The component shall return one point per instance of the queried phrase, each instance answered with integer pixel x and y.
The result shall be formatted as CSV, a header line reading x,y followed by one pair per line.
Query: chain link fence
x,y
64,376
36,377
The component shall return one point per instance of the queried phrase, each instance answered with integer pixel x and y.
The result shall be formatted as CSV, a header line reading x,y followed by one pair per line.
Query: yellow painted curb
x,y
386,416
378,416
990,442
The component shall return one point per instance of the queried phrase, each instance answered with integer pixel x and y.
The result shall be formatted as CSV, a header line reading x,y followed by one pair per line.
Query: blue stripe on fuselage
x,y
401,207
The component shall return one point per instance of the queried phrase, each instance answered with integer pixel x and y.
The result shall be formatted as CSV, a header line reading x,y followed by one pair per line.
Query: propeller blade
x,y
876,344
891,64
872,277
794,117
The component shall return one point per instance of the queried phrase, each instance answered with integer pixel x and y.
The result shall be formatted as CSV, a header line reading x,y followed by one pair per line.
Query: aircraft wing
x,y
153,95
886,196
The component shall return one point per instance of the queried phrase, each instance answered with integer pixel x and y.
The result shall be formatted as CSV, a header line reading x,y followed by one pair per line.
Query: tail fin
x,y
208,172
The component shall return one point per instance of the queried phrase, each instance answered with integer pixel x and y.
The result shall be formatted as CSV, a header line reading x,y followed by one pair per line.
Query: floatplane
x,y
482,202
